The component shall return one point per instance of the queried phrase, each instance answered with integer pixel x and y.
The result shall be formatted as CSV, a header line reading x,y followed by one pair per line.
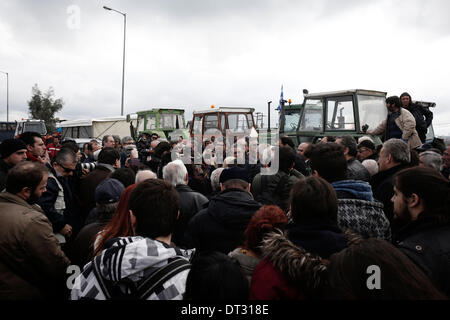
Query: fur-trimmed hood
x,y
305,270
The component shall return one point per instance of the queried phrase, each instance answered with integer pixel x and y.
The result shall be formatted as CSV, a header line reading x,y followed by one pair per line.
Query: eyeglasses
x,y
66,169
361,150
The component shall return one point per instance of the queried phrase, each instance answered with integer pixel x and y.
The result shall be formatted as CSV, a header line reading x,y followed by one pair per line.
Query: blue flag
x,y
281,99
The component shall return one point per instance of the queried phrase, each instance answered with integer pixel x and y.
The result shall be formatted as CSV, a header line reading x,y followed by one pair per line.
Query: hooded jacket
x,y
130,260
221,226
358,210
423,118
270,280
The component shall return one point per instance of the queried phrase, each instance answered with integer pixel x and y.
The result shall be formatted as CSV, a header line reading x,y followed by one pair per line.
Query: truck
x,y
168,124
333,114
30,125
87,129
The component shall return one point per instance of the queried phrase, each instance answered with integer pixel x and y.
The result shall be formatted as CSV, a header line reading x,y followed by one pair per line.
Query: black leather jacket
x,y
191,202
423,118
426,241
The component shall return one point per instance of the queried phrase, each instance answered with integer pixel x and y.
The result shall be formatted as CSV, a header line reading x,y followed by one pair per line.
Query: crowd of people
x,y
140,224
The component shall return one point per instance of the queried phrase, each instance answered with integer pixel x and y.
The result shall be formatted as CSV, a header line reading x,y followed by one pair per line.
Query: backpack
x,y
145,287
272,198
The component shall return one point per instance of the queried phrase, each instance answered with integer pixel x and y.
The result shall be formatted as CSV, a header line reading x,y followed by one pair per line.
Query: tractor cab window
x,y
211,123
237,122
250,120
340,115
180,122
372,110
167,120
223,124
38,127
197,129
140,124
151,122
291,120
312,116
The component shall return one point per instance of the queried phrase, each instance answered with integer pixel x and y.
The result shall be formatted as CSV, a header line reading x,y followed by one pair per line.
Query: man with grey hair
x,y
146,174
394,157
431,159
191,202
215,184
127,140
128,145
371,166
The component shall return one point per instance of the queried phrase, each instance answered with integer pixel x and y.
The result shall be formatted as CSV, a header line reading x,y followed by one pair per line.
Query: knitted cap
x,y
234,173
9,146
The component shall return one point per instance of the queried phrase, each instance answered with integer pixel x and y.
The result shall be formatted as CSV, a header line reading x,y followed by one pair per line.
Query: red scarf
x,y
30,157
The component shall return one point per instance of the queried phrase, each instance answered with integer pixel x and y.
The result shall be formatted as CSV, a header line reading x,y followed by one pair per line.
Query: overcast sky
x,y
194,53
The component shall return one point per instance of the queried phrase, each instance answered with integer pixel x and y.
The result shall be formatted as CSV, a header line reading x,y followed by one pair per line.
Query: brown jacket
x,y
405,122
32,264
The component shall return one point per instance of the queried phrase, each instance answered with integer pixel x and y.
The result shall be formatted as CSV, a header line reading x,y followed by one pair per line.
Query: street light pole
x,y
7,95
124,39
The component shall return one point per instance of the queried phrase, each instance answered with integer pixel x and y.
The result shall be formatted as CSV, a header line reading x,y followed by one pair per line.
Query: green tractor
x,y
333,114
169,124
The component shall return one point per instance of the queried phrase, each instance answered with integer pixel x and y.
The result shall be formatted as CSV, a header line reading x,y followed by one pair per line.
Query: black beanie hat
x,y
234,173
9,146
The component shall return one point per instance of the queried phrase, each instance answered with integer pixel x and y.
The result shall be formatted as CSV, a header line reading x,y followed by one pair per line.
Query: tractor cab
x,y
222,120
333,114
167,123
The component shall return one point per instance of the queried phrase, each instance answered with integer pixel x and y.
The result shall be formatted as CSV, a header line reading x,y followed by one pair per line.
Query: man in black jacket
x,y
221,226
394,157
355,170
191,202
57,201
423,116
421,202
